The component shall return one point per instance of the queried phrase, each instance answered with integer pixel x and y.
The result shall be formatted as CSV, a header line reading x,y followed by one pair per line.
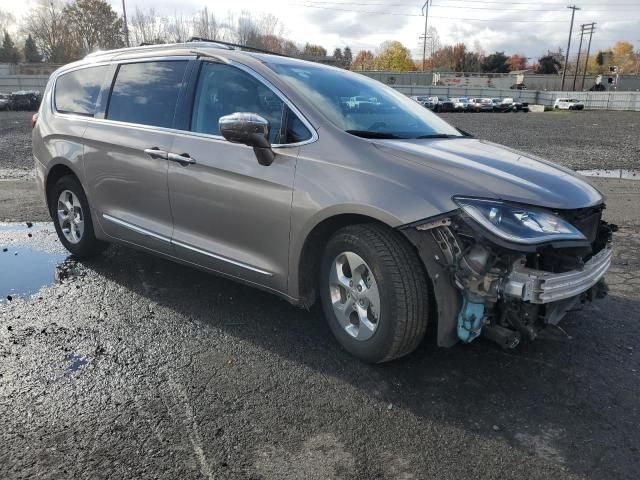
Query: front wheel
x,y
72,218
374,292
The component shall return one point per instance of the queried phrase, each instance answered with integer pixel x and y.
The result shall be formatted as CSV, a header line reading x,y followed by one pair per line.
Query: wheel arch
x,y
55,173
307,258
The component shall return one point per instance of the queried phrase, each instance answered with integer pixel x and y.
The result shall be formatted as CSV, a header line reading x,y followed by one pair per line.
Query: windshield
x,y
362,106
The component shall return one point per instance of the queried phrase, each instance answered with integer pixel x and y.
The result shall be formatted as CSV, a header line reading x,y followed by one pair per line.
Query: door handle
x,y
183,159
156,153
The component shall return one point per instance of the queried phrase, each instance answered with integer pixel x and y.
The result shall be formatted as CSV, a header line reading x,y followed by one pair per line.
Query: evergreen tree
x,y
31,53
348,57
8,53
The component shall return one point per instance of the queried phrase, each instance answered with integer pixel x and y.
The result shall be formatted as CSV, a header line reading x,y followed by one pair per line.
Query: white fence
x,y
13,83
592,100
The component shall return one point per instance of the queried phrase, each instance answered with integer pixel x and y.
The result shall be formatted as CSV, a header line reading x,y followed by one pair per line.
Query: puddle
x,y
77,362
620,173
24,271
25,227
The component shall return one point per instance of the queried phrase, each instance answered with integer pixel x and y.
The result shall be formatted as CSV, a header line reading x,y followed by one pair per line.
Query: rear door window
x,y
77,91
147,93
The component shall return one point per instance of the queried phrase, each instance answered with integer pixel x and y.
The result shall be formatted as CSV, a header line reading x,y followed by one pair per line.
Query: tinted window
x,y
147,93
223,90
77,91
296,131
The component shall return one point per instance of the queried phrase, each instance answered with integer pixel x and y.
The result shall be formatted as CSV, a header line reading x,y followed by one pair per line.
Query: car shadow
x,y
570,398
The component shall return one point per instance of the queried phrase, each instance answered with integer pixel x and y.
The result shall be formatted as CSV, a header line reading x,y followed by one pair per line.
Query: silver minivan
x,y
263,169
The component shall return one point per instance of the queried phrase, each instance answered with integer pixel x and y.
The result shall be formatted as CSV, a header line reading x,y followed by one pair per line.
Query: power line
x,y
540,3
522,9
400,14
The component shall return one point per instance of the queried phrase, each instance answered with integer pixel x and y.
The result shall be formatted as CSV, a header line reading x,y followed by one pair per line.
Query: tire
x,y
402,287
86,244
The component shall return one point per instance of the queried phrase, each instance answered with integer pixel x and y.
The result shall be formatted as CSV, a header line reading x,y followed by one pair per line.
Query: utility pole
x,y
566,60
425,12
126,27
575,74
592,28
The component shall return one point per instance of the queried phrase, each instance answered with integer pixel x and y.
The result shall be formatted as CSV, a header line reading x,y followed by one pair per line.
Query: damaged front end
x,y
506,271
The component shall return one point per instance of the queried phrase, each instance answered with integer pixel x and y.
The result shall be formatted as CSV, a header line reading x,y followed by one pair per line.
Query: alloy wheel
x,y
70,216
354,296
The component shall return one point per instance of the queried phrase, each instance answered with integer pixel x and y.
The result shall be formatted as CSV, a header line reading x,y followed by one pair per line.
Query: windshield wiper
x,y
438,135
370,134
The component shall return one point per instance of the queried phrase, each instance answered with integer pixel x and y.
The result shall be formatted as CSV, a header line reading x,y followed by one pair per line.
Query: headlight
x,y
518,224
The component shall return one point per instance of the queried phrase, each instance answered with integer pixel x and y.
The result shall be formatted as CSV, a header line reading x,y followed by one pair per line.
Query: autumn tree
x,y
394,56
456,58
364,60
623,57
47,25
516,62
312,50
8,52
95,25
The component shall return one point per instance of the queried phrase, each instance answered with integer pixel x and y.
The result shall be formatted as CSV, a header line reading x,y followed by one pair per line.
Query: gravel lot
x,y
579,140
130,366
15,144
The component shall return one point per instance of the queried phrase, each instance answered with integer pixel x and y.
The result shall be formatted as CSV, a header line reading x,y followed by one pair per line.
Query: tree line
x,y
61,31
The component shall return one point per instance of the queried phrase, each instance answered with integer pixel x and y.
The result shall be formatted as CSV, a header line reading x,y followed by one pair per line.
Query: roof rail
x,y
235,45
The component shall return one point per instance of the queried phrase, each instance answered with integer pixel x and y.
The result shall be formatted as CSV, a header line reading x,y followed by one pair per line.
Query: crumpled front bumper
x,y
541,287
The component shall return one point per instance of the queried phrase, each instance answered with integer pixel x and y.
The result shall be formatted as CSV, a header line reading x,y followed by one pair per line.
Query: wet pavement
x,y
130,366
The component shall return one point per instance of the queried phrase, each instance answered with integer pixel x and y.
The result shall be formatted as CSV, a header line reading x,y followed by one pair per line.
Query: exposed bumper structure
x,y
540,287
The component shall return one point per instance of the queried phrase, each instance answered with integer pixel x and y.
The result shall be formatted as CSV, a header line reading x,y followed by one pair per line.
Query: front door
x,y
231,214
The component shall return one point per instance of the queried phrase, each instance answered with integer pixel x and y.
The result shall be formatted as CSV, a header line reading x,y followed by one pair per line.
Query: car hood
x,y
479,168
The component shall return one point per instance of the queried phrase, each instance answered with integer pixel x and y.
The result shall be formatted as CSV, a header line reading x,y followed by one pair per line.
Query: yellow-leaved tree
x,y
394,56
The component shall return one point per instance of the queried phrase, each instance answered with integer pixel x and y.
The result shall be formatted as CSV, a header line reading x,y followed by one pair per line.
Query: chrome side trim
x,y
540,287
135,228
218,257
144,231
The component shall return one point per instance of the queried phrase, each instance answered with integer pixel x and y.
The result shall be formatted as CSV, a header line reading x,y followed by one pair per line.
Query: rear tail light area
x,y
34,120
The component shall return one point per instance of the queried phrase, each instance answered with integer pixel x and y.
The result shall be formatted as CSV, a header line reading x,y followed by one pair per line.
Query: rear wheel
x,y
72,218
374,292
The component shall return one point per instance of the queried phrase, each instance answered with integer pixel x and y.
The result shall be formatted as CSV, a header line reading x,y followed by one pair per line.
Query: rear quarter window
x,y
147,93
77,91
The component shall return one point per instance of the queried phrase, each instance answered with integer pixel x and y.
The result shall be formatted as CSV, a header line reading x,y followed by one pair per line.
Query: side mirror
x,y
249,129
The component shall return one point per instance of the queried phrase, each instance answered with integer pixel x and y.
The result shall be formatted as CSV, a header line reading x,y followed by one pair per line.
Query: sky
x,y
526,27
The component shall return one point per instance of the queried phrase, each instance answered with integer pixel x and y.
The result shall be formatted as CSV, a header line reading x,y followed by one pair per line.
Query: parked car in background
x,y
362,103
461,104
481,105
5,101
511,105
251,166
25,100
422,100
568,104
442,104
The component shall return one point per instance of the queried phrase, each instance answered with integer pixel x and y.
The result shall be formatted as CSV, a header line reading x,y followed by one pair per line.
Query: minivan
x,y
252,166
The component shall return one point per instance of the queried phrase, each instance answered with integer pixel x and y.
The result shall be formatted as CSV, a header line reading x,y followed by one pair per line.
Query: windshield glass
x,y
362,106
